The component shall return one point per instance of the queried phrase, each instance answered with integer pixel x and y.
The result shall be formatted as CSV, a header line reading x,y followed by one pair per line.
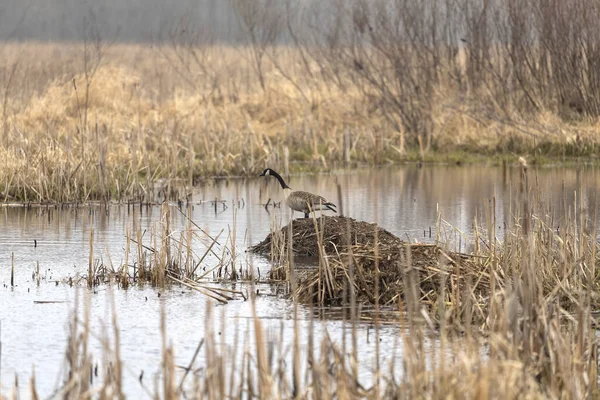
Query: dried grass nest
x,y
347,241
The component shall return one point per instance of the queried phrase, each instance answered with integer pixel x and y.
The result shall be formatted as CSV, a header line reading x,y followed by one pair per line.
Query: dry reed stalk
x,y
118,373
169,390
12,269
91,259
262,365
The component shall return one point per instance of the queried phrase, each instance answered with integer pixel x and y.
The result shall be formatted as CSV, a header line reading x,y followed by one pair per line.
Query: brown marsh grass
x,y
137,119
162,256
522,324
110,121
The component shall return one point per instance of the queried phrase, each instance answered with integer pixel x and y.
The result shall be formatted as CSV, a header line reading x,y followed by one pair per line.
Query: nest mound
x,y
336,232
393,267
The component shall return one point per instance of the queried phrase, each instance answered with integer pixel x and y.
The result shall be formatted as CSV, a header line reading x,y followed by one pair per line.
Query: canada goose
x,y
299,200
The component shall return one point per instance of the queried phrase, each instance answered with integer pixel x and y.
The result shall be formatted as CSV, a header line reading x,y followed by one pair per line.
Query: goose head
x,y
266,172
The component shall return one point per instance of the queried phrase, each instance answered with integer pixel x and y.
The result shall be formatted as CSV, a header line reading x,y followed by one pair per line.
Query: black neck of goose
x,y
280,179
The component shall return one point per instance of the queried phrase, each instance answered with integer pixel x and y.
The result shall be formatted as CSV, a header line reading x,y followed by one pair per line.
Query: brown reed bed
x,y
115,133
515,318
161,257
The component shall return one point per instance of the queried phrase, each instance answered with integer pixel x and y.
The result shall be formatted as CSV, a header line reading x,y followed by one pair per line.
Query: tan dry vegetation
x,y
146,120
135,114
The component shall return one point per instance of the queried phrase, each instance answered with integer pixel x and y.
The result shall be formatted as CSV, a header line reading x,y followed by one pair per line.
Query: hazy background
x,y
143,20
128,20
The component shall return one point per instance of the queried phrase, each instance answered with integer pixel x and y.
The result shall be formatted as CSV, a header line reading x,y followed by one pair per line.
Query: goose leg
x,y
305,215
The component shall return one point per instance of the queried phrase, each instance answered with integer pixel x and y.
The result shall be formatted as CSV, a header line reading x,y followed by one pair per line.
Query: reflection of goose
x,y
298,200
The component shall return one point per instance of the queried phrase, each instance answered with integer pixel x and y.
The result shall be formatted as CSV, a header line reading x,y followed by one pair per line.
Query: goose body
x,y
298,200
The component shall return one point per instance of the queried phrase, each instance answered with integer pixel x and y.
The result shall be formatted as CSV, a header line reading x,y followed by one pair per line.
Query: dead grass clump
x,y
161,256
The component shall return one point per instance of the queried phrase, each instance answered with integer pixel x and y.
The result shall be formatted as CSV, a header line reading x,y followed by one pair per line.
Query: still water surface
x,y
405,200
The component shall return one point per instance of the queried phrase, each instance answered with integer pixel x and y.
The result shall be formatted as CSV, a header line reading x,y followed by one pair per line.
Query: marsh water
x,y
414,203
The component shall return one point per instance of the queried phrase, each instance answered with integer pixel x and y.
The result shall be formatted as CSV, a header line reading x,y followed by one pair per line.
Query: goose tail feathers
x,y
330,206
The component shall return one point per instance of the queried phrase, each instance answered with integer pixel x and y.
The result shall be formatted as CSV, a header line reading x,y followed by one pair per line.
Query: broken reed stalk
x,y
375,191
117,370
169,390
91,259
189,263
232,246
217,294
353,313
167,259
189,367
262,361
323,271
293,280
290,273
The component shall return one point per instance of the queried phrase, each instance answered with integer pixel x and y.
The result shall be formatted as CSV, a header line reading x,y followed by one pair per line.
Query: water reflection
x,y
404,200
